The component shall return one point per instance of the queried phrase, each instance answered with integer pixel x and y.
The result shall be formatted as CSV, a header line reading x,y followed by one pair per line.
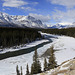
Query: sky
x,y
48,11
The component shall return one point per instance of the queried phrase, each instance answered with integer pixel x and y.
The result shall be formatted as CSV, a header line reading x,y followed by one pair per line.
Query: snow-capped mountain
x,y
59,26
20,21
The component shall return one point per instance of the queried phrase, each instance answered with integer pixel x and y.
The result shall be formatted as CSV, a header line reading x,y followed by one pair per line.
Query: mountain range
x,y
59,26
20,21
26,22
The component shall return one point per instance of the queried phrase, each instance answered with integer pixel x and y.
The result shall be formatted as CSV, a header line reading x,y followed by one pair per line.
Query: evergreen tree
x,y
36,67
52,63
32,67
45,65
21,71
17,70
27,71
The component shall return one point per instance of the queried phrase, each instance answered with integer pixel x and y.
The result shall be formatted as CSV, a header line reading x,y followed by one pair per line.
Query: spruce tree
x,y
45,64
17,70
21,71
36,67
52,63
32,67
27,71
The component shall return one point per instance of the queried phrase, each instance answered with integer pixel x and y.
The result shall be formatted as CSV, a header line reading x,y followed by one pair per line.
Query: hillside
x,y
66,68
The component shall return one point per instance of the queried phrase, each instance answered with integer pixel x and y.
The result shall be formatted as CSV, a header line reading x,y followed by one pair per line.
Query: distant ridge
x,y
59,26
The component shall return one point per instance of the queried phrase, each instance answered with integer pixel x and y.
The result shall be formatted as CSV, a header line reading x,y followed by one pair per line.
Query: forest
x,y
17,36
67,31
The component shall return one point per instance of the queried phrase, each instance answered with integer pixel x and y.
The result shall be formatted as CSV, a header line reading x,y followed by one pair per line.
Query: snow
x,y
65,50
64,68
60,74
25,46
21,60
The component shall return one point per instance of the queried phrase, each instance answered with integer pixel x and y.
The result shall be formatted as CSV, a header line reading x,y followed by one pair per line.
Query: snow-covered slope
x,y
59,26
20,21
65,50
66,68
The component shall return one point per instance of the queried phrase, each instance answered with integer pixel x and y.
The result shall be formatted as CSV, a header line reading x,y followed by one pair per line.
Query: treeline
x,y
17,36
36,65
67,31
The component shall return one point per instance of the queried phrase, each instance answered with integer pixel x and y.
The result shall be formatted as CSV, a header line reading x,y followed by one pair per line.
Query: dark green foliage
x,y
36,66
45,64
68,31
17,70
27,70
52,63
17,36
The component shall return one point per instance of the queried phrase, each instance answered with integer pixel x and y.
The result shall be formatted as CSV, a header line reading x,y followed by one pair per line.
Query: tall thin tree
x,y
52,63
21,71
17,70
27,71
45,64
36,66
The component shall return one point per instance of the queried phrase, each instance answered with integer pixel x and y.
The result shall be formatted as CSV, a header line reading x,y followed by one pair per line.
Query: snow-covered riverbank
x,y
64,45
25,46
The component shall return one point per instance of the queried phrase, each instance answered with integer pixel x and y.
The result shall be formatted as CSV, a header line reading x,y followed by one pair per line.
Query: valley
x,y
64,51
37,37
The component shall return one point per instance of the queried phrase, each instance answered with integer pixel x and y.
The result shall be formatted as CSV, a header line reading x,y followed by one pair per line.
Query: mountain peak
x,y
20,21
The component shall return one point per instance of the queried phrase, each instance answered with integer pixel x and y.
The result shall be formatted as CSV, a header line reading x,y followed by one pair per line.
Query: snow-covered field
x,y
64,45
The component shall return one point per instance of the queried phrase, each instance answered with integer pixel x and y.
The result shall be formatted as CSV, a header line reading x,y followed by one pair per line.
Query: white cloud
x,y
67,3
64,17
14,3
19,4
41,17
3,9
28,8
8,8
34,3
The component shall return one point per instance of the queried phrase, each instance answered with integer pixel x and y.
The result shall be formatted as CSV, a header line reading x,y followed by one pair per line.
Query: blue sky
x,y
49,11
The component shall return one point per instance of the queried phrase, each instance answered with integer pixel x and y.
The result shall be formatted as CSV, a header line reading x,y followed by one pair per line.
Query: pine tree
x,y
21,71
27,71
45,65
36,67
35,56
17,70
52,63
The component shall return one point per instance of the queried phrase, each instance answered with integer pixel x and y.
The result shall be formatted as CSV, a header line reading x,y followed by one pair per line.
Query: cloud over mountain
x,y
41,17
64,17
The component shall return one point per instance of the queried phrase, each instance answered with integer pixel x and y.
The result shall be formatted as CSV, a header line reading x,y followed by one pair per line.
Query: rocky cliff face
x,y
66,68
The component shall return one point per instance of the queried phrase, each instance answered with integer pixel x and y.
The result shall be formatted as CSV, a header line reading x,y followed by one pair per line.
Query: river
x,y
25,51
